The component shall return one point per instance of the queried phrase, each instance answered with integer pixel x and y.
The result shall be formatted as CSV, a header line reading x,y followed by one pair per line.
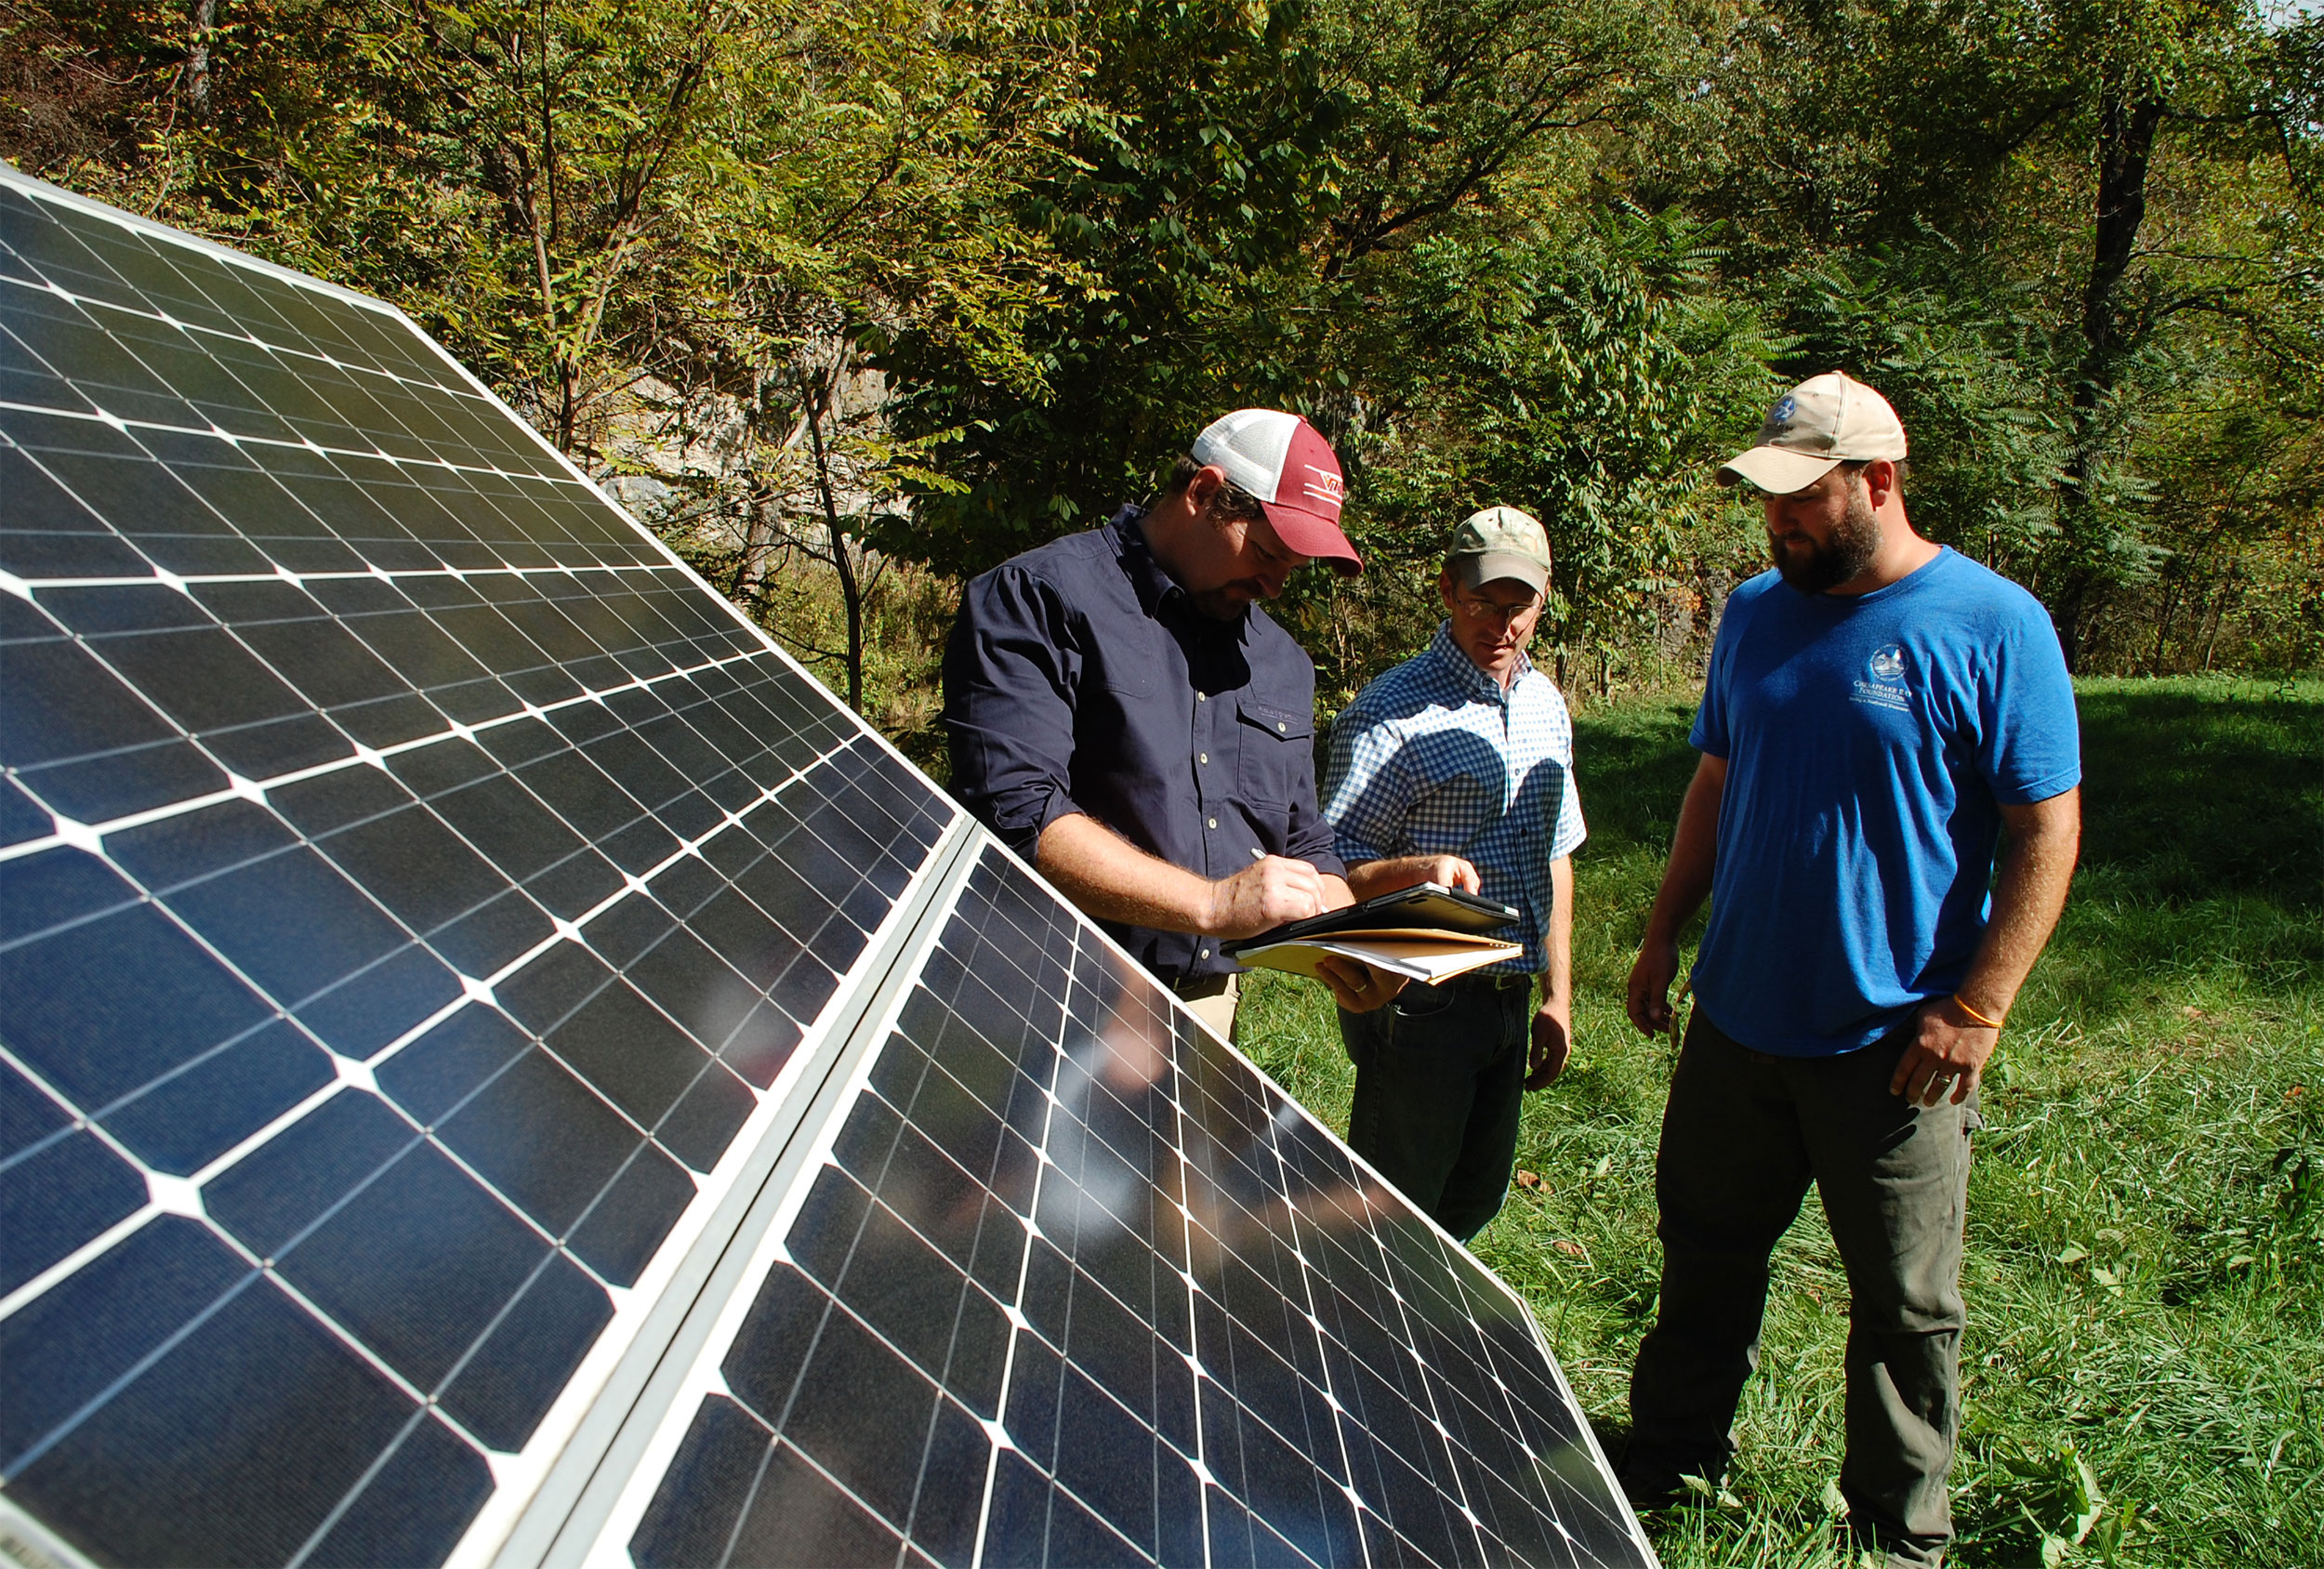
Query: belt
x,y
1194,987
1490,982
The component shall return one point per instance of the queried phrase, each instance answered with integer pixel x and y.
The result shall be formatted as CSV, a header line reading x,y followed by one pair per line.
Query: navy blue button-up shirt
x,y
1081,678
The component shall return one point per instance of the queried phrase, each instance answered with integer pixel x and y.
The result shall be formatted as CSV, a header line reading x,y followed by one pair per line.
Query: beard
x,y
1227,602
1814,569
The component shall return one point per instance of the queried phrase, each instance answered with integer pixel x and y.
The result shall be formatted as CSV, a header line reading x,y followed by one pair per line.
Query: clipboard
x,y
1422,908
1427,932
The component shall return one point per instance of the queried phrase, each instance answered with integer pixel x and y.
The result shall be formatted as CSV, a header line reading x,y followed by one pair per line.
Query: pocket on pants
x,y
1432,1002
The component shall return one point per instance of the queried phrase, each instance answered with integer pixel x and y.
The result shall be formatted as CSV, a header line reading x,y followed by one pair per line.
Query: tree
x,y
1246,191
656,226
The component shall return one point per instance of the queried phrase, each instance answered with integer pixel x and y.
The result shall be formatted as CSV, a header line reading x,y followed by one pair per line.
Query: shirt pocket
x,y
1128,661
1276,745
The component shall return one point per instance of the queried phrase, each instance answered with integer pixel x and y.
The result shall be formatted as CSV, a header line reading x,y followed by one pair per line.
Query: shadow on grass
x,y
1635,763
2188,795
2202,847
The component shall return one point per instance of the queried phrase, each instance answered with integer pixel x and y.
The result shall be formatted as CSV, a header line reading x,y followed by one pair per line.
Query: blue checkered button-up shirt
x,y
1436,758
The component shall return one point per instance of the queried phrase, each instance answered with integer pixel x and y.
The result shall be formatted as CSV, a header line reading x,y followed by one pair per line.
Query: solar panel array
x,y
496,1067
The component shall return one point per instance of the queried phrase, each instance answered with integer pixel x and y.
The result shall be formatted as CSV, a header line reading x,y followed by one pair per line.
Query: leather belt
x,y
1489,982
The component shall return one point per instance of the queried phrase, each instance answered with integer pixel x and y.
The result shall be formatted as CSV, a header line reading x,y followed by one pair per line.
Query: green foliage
x,y
1594,380
1194,169
2101,220
1248,191
2145,1283
1974,377
1017,252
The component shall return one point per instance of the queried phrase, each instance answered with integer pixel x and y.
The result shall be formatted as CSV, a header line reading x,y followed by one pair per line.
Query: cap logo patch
x,y
1323,485
1785,407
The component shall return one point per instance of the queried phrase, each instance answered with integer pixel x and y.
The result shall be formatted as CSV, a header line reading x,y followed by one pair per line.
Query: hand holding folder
x,y
1427,932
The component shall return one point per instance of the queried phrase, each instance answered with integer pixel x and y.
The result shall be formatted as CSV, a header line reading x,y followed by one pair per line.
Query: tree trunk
x,y
754,531
851,592
198,59
2129,110
2163,612
2128,114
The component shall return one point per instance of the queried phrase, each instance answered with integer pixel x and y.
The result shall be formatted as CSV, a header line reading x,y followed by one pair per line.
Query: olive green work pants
x,y
1743,1136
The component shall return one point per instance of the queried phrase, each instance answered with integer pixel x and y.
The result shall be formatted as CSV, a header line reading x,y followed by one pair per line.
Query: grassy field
x,y
2144,1359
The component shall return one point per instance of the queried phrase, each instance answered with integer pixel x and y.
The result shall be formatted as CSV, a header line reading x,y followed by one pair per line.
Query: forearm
x,y
1953,1037
1557,974
2037,868
1369,879
1113,880
1693,853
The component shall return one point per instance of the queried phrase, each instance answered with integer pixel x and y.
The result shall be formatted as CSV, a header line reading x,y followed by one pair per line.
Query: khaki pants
x,y
1213,997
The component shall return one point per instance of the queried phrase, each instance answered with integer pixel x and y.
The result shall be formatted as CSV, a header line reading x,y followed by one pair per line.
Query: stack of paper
x,y
1427,932
1406,951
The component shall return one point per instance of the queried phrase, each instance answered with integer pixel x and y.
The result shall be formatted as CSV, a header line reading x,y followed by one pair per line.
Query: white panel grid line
x,y
1249,1166
485,394
770,1251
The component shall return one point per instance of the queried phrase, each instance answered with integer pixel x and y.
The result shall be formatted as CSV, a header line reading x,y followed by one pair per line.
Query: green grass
x,y
2145,1256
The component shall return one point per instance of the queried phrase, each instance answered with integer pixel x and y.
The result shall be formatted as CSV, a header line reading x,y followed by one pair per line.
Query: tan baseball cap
x,y
1497,543
1825,421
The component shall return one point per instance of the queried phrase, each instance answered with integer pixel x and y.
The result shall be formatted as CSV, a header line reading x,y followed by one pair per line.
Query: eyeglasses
x,y
1489,610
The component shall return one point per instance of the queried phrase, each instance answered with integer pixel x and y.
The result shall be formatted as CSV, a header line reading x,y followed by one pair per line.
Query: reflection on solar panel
x,y
495,1067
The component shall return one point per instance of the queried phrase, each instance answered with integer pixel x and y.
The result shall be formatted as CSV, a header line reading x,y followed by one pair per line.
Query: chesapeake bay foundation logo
x,y
1883,684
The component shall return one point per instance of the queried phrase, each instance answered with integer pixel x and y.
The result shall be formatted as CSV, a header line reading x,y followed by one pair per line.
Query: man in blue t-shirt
x,y
1877,711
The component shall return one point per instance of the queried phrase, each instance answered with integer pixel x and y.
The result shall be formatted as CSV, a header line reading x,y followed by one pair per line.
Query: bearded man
x,y
1877,710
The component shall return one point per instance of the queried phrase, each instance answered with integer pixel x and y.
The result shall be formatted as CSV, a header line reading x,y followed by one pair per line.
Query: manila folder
x,y
1415,952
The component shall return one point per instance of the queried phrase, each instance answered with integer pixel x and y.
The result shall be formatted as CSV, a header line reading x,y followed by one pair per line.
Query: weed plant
x,y
2143,1366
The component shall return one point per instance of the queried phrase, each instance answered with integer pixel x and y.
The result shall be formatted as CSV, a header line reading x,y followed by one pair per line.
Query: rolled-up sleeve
x,y
1011,669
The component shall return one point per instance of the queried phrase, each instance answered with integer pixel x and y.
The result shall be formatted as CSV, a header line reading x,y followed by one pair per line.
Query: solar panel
x,y
496,1067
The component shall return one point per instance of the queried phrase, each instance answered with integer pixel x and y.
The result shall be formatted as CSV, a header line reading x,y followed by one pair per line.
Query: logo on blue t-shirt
x,y
1886,688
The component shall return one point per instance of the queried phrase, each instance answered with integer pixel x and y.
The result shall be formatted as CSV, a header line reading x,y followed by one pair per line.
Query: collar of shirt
x,y
1154,588
1159,594
1457,667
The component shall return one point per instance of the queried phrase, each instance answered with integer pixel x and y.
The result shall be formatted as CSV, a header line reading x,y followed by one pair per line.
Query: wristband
x,y
1963,1003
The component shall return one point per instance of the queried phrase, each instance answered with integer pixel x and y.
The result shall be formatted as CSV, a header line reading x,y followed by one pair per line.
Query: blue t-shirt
x,y
1870,742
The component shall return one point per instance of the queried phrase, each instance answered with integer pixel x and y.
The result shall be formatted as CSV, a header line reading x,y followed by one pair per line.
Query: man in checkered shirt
x,y
1456,767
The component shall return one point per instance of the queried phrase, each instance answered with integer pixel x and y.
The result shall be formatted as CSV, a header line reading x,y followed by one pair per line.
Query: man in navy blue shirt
x,y
1878,708
1123,714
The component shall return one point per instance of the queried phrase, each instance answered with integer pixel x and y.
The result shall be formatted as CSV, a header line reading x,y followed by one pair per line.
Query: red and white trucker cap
x,y
1287,464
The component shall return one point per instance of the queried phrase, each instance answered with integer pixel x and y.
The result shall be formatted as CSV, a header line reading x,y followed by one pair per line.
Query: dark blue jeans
x,y
1743,1136
1440,1078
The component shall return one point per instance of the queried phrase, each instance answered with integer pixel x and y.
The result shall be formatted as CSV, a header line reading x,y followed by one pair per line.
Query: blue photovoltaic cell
x,y
1204,1334
413,882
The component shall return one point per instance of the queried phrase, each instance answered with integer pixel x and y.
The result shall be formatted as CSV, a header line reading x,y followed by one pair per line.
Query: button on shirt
x,y
1434,758
1081,678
